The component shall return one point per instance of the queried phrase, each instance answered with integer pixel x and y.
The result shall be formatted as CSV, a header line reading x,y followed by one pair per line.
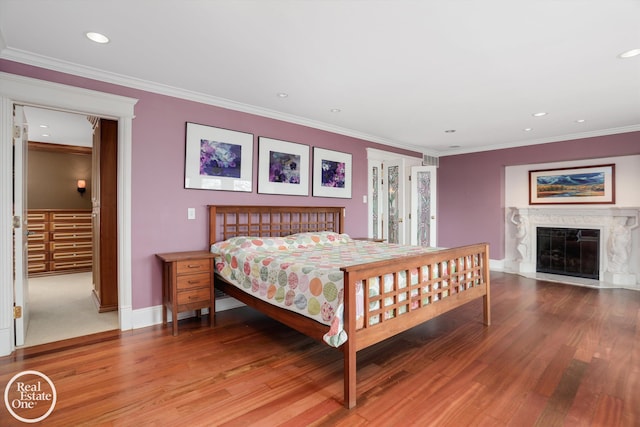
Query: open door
x,y
20,231
423,206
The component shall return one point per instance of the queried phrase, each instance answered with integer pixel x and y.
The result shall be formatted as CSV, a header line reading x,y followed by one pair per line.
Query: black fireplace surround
x,y
568,251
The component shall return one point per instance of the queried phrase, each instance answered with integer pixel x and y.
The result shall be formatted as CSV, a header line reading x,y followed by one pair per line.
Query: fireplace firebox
x,y
568,251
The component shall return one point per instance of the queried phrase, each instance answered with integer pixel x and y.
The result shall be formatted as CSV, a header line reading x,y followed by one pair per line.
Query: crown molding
x,y
559,138
58,65
53,64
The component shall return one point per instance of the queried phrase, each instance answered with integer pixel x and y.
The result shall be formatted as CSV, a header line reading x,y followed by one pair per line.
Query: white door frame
x,y
15,89
374,157
21,232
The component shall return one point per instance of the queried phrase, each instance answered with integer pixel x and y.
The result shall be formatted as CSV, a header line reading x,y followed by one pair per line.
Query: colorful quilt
x,y
302,273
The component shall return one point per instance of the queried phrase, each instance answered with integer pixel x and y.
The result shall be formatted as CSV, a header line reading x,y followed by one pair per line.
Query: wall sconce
x,y
82,186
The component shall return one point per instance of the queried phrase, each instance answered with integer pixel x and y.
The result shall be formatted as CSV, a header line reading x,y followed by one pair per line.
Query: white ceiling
x,y
58,127
402,72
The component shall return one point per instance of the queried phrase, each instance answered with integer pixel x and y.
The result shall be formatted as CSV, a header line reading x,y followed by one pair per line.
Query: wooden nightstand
x,y
187,284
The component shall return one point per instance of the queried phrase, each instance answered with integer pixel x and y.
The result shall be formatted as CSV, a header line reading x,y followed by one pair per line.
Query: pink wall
x,y
471,198
159,200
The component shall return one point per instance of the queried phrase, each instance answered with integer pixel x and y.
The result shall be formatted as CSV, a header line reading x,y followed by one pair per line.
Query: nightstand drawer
x,y
193,266
194,296
193,281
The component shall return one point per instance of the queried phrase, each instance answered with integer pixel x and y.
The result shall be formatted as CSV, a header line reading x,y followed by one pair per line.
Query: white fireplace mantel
x,y
619,254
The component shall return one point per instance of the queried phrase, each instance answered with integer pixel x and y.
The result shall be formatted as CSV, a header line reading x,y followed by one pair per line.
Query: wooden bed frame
x,y
469,281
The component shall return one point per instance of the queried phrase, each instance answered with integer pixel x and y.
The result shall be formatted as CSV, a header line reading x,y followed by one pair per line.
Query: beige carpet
x,y
62,307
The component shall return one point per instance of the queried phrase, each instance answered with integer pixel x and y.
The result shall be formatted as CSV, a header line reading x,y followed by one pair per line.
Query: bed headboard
x,y
272,221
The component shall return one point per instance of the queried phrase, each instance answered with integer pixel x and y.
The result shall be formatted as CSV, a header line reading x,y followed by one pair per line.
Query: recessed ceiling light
x,y
540,114
335,110
580,121
449,131
527,129
629,54
97,37
44,126
45,134
283,95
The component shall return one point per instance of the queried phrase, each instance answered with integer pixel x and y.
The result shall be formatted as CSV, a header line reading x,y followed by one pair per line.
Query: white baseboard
x,y
496,264
6,338
150,316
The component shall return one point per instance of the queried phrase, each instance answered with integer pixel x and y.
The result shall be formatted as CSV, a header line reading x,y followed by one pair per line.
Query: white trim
x,y
539,141
151,316
6,231
16,89
496,264
29,58
375,154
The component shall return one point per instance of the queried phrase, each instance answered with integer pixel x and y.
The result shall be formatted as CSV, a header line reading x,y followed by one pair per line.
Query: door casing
x,y
22,90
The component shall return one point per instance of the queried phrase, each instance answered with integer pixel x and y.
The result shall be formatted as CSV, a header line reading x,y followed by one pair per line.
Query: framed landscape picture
x,y
218,159
331,173
579,185
283,167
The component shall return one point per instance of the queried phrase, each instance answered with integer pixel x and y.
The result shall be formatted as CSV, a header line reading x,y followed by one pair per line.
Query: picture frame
x,y
573,185
283,167
332,171
218,159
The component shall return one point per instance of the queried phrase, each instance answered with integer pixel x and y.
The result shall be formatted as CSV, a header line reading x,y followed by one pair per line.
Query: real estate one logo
x,y
30,396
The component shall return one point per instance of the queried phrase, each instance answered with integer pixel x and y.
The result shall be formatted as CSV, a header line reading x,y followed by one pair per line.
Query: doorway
x,y
402,199
63,184
15,89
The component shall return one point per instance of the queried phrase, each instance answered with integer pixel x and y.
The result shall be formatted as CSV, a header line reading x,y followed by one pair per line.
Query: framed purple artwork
x,y
283,167
218,159
331,173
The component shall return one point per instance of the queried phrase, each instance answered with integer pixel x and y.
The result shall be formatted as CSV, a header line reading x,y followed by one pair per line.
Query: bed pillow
x,y
268,244
321,238
247,243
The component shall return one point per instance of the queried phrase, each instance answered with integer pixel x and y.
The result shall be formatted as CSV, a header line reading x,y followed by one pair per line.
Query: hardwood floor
x,y
554,355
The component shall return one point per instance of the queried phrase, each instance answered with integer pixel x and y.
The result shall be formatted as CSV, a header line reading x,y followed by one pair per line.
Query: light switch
x,y
191,213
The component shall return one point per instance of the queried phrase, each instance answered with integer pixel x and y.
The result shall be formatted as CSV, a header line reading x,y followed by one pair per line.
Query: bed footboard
x,y
402,293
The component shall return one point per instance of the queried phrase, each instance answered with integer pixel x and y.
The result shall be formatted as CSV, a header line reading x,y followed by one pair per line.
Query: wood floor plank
x,y
554,355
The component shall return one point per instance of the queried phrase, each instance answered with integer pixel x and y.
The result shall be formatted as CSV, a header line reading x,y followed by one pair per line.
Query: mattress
x,y
301,273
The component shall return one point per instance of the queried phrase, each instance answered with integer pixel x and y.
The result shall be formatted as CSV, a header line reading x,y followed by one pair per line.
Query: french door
x,y
423,206
401,197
